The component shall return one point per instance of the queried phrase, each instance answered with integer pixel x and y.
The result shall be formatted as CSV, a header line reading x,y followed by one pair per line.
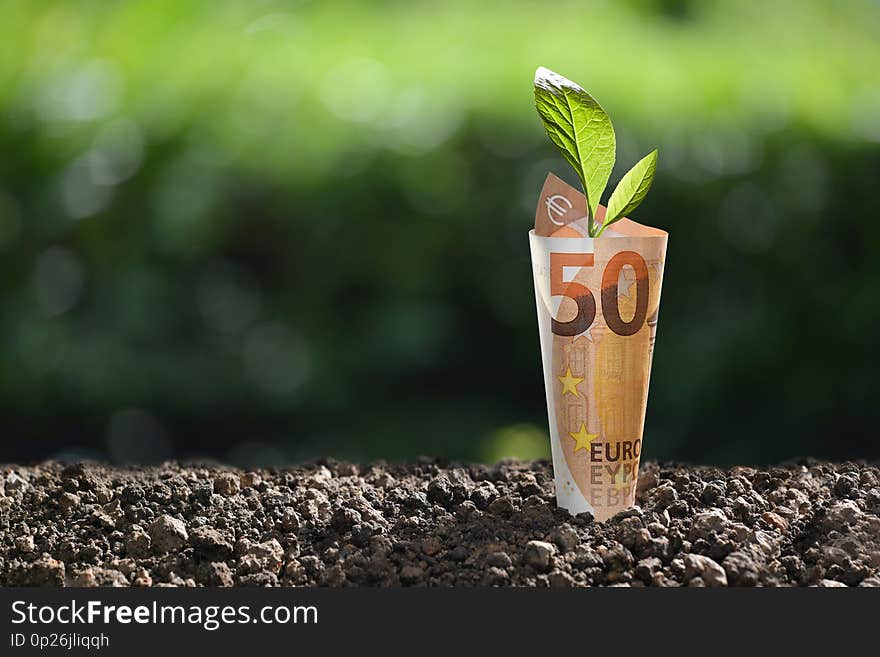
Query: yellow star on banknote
x,y
582,438
569,382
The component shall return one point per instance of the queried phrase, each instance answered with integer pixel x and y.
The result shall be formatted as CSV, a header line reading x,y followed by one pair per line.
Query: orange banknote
x,y
597,302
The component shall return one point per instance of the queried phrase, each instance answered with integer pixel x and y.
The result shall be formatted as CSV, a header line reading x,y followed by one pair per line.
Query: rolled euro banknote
x,y
597,303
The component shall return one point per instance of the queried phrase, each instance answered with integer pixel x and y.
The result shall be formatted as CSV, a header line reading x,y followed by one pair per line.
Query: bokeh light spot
x,y
276,359
58,280
136,436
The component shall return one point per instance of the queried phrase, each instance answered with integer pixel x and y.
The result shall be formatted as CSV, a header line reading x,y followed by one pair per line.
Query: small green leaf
x,y
581,130
631,189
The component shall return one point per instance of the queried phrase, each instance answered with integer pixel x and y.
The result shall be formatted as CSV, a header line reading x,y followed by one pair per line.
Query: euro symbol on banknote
x,y
557,205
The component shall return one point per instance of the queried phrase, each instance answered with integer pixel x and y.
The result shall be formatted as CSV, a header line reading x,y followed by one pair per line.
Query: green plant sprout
x,y
582,131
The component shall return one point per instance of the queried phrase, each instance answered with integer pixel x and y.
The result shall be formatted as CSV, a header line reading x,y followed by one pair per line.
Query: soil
x,y
328,523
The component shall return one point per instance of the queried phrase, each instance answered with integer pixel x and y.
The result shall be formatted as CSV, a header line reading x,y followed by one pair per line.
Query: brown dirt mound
x,y
434,523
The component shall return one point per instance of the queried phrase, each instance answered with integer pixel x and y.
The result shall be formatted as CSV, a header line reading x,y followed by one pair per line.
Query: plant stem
x,y
591,224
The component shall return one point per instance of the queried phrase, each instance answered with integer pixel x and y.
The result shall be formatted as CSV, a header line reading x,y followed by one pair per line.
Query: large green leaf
x,y
631,189
581,130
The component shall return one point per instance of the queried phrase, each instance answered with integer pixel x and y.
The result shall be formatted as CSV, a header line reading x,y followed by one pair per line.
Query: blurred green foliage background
x,y
266,231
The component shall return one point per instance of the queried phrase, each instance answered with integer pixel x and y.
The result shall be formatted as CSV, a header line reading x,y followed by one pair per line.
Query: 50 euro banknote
x,y
597,301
